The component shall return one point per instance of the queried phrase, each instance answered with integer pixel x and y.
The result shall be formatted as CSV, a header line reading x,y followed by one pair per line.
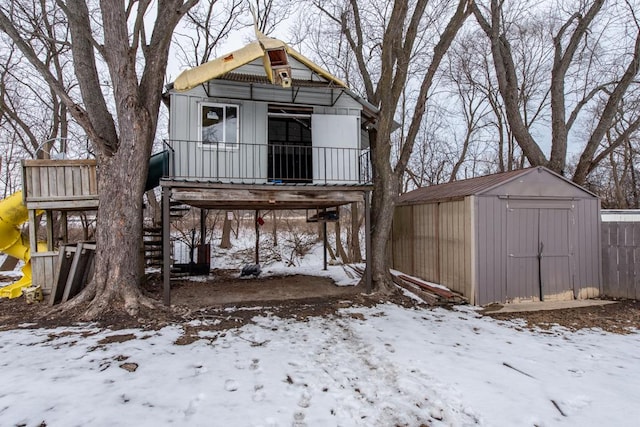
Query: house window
x,y
219,125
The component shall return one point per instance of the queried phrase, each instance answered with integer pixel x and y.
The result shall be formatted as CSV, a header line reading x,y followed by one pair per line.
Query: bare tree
x,y
207,26
271,13
34,116
388,46
615,178
577,59
116,36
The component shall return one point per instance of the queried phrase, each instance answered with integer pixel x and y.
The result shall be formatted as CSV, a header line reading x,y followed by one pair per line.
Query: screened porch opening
x,y
290,158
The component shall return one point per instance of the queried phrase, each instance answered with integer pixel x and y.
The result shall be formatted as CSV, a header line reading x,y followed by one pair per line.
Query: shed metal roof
x,y
473,186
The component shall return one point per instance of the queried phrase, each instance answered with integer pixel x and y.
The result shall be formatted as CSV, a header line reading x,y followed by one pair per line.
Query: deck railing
x,y
262,163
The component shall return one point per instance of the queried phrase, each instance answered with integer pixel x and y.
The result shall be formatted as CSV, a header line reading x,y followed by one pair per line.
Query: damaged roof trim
x,y
218,67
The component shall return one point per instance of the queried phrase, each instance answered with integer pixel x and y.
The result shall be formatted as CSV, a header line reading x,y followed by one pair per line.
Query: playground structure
x,y
12,214
66,186
63,186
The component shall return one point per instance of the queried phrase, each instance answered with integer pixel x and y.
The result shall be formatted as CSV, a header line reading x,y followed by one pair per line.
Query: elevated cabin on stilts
x,y
264,128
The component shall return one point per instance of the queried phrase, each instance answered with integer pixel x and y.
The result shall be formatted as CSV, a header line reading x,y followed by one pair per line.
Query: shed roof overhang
x,y
482,185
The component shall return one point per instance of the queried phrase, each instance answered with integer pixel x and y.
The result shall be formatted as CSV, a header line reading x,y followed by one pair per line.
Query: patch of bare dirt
x,y
623,317
117,338
222,302
225,287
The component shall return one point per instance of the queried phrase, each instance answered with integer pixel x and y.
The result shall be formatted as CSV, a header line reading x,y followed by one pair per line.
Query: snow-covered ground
x,y
379,366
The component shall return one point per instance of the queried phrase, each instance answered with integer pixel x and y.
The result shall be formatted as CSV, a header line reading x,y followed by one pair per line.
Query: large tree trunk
x,y
121,178
354,247
382,206
122,140
382,216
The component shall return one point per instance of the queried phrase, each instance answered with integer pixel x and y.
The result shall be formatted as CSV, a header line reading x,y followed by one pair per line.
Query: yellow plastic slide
x,y
12,214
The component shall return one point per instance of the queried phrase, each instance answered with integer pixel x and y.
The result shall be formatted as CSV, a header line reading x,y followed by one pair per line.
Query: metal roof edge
x,y
529,170
442,200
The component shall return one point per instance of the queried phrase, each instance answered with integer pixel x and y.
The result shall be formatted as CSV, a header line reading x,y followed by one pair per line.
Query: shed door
x,y
538,248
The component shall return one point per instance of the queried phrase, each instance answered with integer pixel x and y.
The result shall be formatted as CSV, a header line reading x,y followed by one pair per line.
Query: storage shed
x,y
525,235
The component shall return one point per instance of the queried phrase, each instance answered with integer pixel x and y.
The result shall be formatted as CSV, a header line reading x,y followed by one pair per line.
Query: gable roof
x,y
218,67
228,67
457,190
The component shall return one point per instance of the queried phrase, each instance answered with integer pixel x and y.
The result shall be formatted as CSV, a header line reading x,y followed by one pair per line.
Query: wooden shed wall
x,y
433,241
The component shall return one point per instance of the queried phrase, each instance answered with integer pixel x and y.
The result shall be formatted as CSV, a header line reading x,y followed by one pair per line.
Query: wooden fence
x,y
621,259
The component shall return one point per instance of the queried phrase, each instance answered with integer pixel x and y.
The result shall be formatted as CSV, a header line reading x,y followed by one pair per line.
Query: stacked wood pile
x,y
432,295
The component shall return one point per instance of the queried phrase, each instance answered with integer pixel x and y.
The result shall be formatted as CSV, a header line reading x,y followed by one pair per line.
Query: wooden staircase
x,y
152,241
152,236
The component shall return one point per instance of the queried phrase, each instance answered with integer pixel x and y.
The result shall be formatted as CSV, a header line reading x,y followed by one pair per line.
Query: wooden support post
x,y
65,227
203,226
166,245
33,231
49,230
257,258
324,245
368,274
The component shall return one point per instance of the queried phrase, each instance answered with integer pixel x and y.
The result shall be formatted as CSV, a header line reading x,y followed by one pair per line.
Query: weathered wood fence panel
x,y
43,267
621,259
60,184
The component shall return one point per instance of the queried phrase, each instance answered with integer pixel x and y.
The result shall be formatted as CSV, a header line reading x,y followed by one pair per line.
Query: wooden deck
x,y
60,184
232,196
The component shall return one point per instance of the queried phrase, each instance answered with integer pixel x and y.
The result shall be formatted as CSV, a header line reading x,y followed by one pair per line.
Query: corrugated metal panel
x,y
556,232
251,76
425,253
587,249
522,253
402,239
491,250
455,267
179,117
